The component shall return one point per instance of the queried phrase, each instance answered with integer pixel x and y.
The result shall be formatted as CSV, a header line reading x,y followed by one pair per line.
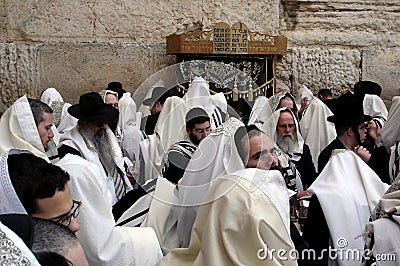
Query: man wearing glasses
x,y
40,189
179,154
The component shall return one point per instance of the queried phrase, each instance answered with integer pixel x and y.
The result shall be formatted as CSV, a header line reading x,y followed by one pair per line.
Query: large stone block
x,y
131,21
77,68
383,67
318,68
18,74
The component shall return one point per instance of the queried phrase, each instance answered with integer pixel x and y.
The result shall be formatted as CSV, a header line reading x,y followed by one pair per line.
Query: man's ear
x,y
350,131
188,131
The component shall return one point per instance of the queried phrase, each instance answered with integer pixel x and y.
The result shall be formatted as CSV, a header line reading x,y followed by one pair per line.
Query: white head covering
x,y
347,186
198,95
275,99
67,121
301,93
260,112
215,156
103,94
19,131
317,132
51,95
127,121
127,111
391,129
375,107
269,128
17,253
9,200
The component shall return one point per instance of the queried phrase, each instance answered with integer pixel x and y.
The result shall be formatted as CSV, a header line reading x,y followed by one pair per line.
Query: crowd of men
x,y
98,183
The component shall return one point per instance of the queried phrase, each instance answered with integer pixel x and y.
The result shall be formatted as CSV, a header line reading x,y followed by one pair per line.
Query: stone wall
x,y
78,46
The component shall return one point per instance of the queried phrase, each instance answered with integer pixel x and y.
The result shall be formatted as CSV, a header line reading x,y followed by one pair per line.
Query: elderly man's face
x,y
261,153
44,128
285,127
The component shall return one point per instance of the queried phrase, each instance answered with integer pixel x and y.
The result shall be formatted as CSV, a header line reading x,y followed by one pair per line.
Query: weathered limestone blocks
x,y
18,73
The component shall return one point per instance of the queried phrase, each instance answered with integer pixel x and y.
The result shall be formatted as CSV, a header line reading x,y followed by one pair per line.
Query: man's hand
x,y
302,193
304,102
374,130
132,175
363,153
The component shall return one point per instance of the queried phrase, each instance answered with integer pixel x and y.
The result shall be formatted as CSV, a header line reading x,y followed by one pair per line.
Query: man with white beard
x,y
284,129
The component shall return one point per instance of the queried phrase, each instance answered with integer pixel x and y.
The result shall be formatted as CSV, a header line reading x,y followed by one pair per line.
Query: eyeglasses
x,y
272,153
66,220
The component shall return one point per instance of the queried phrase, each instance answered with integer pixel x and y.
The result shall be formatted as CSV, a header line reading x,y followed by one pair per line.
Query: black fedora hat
x,y
349,113
117,87
156,95
91,108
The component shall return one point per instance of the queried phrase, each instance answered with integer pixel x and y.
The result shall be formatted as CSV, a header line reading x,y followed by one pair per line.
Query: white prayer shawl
x,y
19,131
382,235
246,213
13,244
75,140
316,131
391,134
9,200
301,93
170,128
51,95
198,95
219,100
269,128
275,99
163,214
105,243
67,121
127,110
347,186
375,107
131,134
260,112
216,155
391,129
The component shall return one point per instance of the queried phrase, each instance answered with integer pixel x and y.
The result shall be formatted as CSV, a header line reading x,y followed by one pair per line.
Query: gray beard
x,y
286,145
103,149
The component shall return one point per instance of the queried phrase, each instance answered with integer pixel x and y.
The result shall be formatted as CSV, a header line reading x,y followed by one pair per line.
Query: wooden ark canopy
x,y
226,40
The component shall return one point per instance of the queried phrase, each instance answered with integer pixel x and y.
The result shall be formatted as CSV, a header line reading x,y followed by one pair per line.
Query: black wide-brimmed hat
x,y
91,108
117,87
156,95
349,113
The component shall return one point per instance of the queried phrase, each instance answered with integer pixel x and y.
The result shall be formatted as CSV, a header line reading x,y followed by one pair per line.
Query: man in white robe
x,y
104,243
93,140
391,137
244,217
347,191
